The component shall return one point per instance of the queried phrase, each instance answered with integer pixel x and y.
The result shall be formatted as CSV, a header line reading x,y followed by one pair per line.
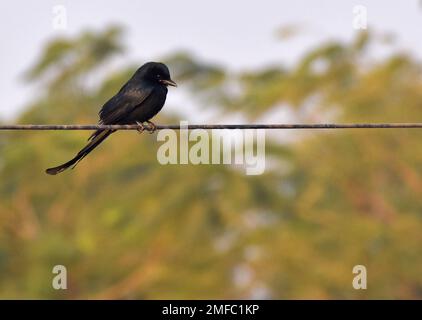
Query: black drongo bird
x,y
140,99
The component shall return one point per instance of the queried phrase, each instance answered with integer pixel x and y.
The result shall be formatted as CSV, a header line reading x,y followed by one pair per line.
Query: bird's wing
x,y
122,104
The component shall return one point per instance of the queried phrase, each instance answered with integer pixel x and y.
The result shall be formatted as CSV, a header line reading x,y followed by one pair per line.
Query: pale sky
x,y
237,33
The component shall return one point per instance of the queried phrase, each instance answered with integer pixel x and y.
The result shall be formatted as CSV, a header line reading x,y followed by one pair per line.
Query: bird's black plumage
x,y
140,99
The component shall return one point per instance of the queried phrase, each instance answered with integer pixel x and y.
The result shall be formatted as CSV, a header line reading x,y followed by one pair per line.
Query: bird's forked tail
x,y
97,137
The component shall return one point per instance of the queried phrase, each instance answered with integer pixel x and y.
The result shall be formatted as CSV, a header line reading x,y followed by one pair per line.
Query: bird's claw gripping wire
x,y
141,127
151,127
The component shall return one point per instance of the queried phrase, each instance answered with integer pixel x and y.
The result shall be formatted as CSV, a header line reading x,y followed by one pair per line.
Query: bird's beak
x,y
169,83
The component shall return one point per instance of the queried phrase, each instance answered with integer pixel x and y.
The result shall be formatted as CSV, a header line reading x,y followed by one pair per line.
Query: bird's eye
x,y
158,76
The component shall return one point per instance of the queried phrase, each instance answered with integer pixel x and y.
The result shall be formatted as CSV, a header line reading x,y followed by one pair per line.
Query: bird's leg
x,y
151,127
141,127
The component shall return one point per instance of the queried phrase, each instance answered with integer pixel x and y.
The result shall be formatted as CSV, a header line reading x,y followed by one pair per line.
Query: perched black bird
x,y
140,99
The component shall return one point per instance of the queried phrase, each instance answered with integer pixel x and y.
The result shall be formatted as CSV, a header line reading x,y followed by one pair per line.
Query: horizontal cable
x,y
217,126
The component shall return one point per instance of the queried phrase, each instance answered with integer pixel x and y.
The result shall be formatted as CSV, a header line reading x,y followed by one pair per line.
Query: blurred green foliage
x,y
127,227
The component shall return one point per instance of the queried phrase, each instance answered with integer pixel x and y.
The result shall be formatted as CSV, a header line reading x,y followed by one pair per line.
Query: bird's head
x,y
155,72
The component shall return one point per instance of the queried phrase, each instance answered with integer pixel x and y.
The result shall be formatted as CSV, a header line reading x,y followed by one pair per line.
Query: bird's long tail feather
x,y
98,137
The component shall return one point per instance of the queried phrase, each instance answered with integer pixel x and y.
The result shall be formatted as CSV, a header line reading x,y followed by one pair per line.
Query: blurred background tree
x,y
127,227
